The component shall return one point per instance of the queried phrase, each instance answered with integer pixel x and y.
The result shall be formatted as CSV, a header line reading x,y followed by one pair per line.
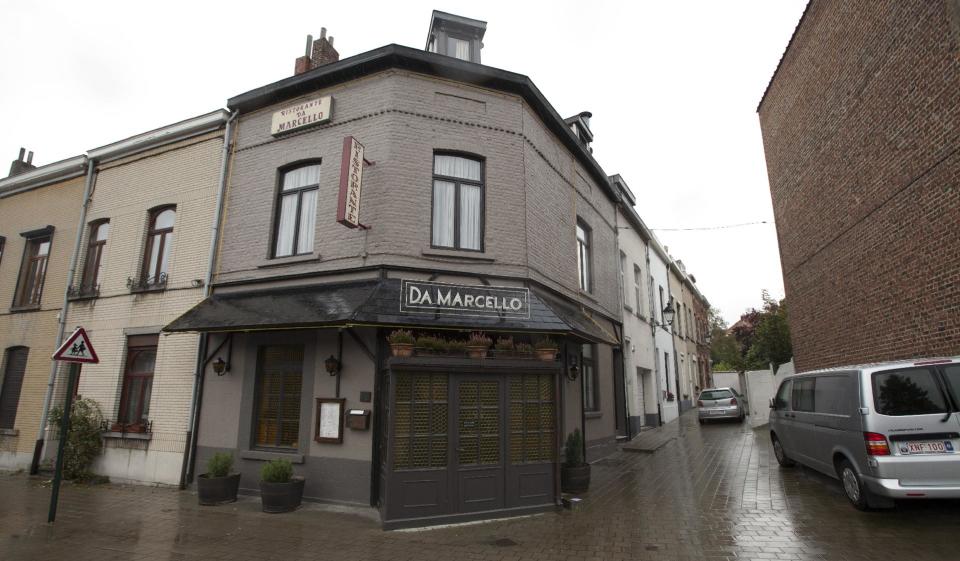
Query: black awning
x,y
374,303
581,321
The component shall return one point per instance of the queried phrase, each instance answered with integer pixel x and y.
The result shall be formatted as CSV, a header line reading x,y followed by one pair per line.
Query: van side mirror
x,y
773,404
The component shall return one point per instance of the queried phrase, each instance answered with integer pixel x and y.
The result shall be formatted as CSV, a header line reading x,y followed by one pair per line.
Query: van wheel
x,y
853,488
780,454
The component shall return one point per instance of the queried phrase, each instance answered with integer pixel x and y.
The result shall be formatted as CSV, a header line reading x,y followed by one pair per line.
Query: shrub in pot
x,y
478,344
505,346
401,342
280,491
574,473
546,349
218,486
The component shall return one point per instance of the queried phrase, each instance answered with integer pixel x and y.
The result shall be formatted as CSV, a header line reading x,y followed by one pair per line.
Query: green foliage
x,y
219,464
545,343
431,343
277,471
83,441
401,336
524,348
504,344
479,339
758,338
573,449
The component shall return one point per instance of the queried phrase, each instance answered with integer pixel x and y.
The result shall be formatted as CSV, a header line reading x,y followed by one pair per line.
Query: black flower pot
x,y
575,479
281,497
217,490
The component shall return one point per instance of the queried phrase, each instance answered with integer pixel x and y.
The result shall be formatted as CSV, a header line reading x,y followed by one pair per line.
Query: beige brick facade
x,y
184,174
57,205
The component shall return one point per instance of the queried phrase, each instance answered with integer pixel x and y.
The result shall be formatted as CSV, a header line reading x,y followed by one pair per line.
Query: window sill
x,y
265,456
22,309
127,435
9,432
593,414
83,297
628,309
457,254
291,260
148,289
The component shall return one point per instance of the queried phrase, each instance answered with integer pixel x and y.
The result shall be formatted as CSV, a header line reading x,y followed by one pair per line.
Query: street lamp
x,y
668,314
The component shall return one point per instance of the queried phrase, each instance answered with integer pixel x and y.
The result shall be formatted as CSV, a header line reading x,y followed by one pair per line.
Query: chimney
x,y
302,64
20,165
323,51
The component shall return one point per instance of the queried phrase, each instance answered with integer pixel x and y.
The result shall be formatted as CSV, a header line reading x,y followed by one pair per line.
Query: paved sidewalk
x,y
711,493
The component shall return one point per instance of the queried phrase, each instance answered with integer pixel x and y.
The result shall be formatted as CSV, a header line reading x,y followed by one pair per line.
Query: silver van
x,y
886,431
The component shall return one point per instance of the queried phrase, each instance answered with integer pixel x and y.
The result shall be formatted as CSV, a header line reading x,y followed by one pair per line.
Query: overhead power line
x,y
724,227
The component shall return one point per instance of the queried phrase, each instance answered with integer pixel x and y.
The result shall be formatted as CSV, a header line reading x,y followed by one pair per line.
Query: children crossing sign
x,y
77,348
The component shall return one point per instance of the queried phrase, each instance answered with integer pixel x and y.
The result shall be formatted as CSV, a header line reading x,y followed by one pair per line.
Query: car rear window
x,y
953,380
912,391
716,394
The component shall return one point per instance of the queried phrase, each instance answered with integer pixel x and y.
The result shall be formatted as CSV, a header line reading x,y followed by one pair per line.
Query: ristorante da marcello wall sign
x,y
464,300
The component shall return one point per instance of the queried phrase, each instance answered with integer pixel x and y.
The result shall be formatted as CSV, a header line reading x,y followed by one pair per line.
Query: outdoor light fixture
x,y
332,365
668,314
220,366
574,370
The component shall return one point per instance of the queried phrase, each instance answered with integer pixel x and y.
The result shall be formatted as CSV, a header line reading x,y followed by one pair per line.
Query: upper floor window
x,y
583,256
297,211
33,271
662,307
637,288
623,279
97,240
457,203
156,258
458,48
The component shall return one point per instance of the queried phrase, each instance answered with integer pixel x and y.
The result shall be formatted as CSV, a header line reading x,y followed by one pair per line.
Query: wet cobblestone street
x,y
710,493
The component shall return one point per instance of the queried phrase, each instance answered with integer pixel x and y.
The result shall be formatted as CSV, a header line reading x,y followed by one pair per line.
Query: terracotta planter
x,y
213,491
547,355
281,497
575,479
477,352
403,350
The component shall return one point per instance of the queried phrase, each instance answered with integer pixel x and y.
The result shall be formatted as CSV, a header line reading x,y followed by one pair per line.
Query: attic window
x,y
458,48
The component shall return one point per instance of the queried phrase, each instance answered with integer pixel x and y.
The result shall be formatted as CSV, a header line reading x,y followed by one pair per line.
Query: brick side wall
x,y
860,130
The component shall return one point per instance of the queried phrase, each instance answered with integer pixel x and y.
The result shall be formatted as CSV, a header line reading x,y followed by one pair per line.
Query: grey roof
x,y
375,303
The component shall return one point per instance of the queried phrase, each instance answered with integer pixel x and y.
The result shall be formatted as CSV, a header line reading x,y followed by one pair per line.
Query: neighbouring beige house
x,y
143,261
39,211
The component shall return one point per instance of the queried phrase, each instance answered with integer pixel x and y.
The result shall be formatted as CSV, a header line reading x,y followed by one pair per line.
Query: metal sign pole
x,y
64,431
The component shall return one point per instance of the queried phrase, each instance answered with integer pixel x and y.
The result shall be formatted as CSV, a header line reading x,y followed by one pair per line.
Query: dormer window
x,y
456,36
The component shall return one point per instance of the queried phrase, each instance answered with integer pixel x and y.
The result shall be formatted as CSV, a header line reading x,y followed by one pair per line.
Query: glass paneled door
x,y
479,444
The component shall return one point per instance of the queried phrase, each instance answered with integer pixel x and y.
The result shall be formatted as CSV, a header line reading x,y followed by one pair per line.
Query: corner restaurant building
x,y
481,210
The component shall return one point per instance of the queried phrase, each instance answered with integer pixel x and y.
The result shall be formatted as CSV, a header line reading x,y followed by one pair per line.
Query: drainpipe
x,y
623,324
673,343
189,459
62,322
654,313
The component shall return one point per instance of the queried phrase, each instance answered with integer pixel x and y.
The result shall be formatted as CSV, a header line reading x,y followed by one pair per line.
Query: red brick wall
x,y
861,129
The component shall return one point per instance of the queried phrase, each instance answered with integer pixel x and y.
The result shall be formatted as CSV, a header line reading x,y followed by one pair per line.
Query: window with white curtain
x,y
297,211
583,256
457,221
458,48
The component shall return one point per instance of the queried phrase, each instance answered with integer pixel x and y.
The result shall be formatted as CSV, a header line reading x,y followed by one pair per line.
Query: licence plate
x,y
926,447
716,411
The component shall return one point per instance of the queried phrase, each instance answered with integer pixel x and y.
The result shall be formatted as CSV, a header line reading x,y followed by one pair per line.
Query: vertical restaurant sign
x,y
304,114
351,183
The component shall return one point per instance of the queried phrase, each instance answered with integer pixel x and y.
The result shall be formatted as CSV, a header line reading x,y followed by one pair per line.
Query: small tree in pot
x,y
280,491
401,342
478,344
574,473
218,486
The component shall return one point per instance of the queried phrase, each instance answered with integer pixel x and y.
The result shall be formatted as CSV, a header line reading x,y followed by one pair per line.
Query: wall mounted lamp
x,y
332,365
220,366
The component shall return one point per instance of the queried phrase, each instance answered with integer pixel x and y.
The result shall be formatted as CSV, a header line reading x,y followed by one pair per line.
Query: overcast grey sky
x,y
673,88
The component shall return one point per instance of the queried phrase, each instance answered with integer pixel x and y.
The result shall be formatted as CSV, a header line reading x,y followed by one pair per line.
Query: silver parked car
x,y
720,403
886,431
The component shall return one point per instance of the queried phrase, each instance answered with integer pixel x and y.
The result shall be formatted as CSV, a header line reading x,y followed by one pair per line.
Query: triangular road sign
x,y
77,348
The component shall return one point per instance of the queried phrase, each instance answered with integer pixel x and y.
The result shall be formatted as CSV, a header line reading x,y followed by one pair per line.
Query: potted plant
x,y
504,346
401,342
574,473
546,349
218,486
670,396
523,349
429,343
478,344
280,491
455,346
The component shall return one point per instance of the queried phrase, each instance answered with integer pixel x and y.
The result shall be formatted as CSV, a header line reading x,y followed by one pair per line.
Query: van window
x,y
953,381
912,391
716,394
783,396
803,394
831,394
